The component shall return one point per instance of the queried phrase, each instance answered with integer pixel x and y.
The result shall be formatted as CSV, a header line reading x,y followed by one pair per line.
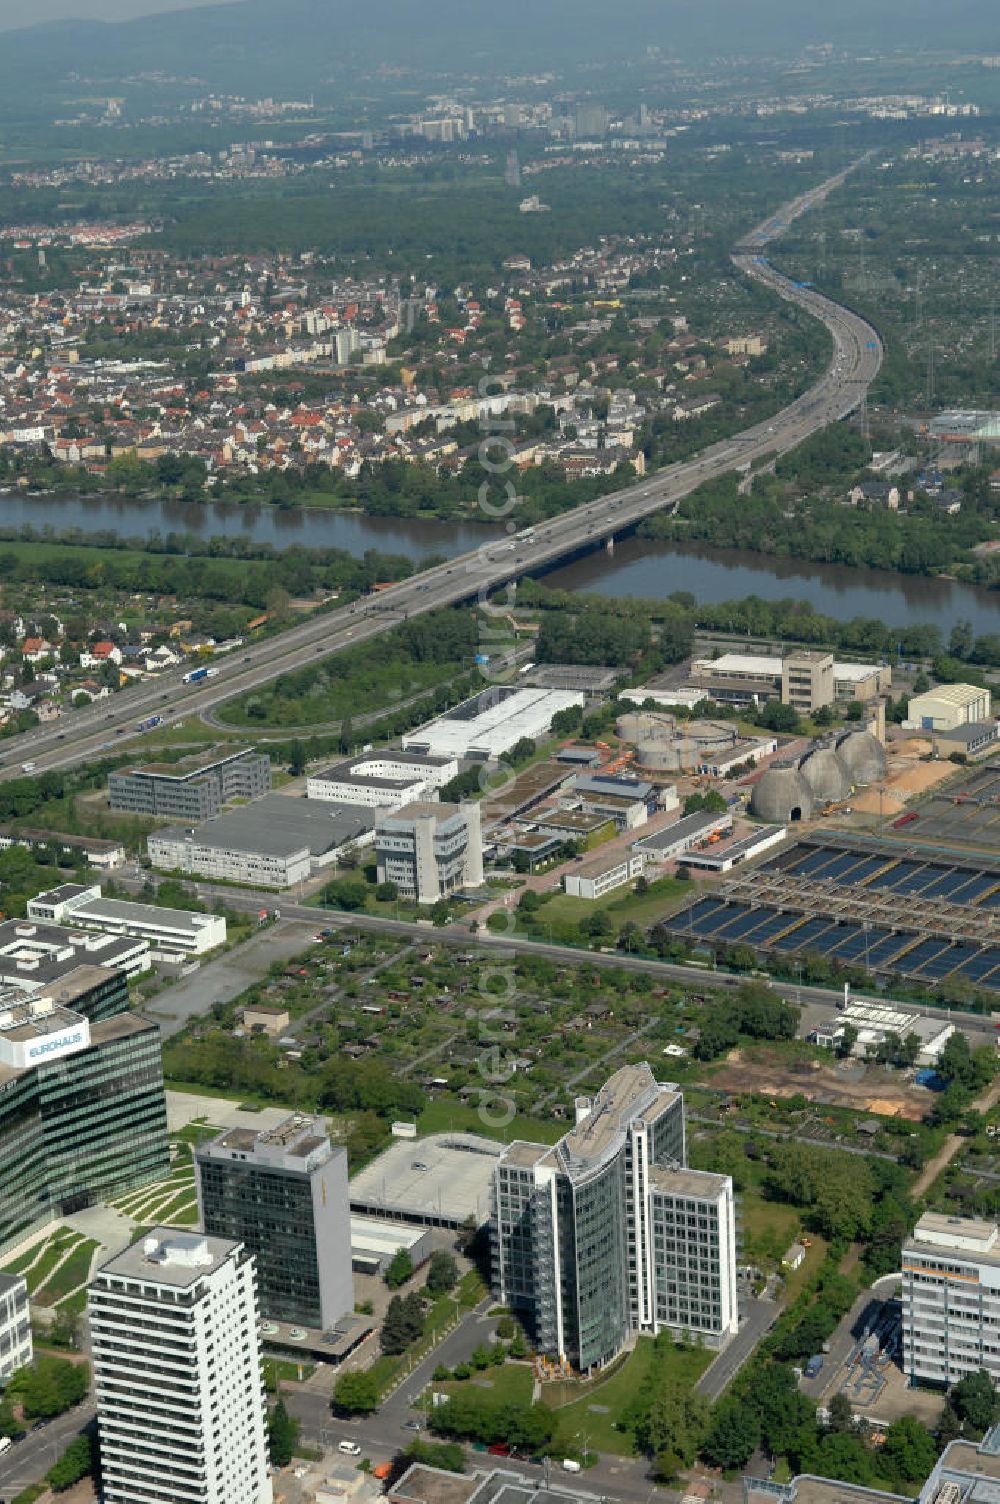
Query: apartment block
x,y
951,1299
15,1325
192,790
177,1373
283,1193
607,1233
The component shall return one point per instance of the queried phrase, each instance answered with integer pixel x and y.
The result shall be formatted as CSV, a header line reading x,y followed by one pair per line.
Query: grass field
x,y
664,895
768,1227
510,1385
448,1117
69,1276
590,1420
49,1279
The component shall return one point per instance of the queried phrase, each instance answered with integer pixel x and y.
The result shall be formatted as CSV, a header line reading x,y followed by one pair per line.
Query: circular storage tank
x,y
782,796
862,755
826,774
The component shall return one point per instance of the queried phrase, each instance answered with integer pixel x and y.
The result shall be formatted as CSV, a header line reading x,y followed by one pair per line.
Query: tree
x,y
734,1435
50,1386
440,913
949,1426
676,1422
403,1324
297,759
74,1464
777,717
847,1040
975,1401
399,1269
841,1416
356,1394
446,1455
282,1435
350,893
442,1273
961,641
386,892
909,1450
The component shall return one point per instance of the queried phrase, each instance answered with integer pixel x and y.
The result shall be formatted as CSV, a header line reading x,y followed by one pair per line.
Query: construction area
x,y
863,902
857,1085
911,771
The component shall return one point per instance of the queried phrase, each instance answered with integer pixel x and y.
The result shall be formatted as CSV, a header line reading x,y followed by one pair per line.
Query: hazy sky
x,y
15,13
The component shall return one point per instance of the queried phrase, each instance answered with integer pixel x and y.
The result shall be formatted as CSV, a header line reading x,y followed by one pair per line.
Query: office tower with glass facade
x,y
607,1233
284,1193
177,1373
15,1325
82,1109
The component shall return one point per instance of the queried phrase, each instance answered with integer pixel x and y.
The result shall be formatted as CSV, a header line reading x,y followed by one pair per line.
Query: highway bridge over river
x,y
857,356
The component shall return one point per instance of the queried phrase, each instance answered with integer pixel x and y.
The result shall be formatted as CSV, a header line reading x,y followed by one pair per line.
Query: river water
x,y
637,567
654,570
312,527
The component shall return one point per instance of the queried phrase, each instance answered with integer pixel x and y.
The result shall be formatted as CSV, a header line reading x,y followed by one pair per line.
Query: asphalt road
x,y
757,1316
106,725
30,1459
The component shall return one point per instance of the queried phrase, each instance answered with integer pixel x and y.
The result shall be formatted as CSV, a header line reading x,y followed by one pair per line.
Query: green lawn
x,y
74,1272
592,1416
510,1385
445,1117
182,1212
47,1255
621,906
768,1227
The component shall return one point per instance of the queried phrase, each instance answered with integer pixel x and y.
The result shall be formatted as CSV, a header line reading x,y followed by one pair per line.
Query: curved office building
x,y
607,1232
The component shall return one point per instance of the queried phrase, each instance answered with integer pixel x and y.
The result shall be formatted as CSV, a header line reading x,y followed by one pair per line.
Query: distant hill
x,y
297,45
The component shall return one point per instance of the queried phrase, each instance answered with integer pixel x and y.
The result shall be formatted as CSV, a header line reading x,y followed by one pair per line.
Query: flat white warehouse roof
x,y
493,730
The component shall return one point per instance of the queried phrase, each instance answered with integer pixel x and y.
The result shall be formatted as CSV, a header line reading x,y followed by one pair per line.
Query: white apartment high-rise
x,y
15,1325
951,1299
177,1373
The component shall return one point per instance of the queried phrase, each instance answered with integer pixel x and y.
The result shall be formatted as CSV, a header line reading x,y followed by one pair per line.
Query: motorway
x,y
856,360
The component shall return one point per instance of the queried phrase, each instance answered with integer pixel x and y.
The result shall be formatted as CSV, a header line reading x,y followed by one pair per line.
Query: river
x,y
637,568
313,527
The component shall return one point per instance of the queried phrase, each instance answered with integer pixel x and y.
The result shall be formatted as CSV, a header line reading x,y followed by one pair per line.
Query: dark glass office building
x,y
284,1193
82,1110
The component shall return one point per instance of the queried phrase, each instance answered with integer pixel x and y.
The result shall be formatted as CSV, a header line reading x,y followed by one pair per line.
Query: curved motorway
x,y
857,357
